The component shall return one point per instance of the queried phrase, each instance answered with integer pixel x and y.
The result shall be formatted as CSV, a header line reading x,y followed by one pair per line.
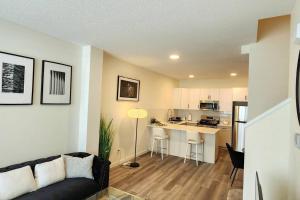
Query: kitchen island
x,y
177,144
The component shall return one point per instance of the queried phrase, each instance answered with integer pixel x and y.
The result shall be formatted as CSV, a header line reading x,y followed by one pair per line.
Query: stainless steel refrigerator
x,y
239,120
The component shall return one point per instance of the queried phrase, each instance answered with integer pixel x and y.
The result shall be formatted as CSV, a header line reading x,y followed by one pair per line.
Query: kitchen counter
x,y
177,133
224,126
181,127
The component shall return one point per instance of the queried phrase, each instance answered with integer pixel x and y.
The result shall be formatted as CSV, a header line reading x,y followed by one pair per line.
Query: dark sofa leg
x,y
234,176
232,172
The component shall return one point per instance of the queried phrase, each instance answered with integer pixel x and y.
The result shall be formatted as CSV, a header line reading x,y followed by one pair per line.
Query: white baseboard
x,y
128,158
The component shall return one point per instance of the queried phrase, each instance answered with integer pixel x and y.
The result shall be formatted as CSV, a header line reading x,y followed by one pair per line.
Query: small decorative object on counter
x,y
156,122
152,121
189,117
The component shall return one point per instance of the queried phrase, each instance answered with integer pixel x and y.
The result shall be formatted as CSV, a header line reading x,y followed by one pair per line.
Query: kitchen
x,y
212,112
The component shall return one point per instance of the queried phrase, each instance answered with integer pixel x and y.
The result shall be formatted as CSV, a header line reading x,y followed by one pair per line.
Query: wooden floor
x,y
171,179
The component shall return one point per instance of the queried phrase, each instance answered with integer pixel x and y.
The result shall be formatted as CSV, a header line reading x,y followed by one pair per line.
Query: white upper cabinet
x,y
240,94
209,94
176,98
185,98
194,99
226,96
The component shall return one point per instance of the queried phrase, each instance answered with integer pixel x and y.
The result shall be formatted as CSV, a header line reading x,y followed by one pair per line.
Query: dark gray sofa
x,y
70,188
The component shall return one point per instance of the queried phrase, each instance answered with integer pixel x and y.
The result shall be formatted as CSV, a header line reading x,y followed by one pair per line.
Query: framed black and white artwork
x,y
56,83
128,89
16,79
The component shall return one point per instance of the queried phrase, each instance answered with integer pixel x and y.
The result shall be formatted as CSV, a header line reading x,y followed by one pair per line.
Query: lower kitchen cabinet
x,y
224,136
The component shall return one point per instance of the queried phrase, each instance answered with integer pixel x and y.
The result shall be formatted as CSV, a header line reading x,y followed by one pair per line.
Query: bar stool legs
x,y
189,145
186,152
155,142
161,150
196,154
152,148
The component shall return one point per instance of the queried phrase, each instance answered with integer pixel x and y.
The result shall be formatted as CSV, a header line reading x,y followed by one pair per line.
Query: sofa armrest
x,y
101,171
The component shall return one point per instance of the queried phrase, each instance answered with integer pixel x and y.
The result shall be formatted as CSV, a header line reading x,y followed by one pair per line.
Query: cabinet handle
x,y
246,97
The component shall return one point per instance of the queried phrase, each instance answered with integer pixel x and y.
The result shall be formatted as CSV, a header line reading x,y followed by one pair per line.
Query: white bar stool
x,y
194,138
159,136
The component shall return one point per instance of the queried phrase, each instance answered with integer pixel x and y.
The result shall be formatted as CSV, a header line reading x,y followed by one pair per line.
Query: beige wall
x,y
266,152
295,153
267,137
268,65
155,96
215,83
34,131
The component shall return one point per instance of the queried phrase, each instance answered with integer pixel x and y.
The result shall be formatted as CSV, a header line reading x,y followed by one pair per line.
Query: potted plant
x,y
106,134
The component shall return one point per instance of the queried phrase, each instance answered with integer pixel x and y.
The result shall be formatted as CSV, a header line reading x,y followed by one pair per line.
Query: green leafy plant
x,y
105,138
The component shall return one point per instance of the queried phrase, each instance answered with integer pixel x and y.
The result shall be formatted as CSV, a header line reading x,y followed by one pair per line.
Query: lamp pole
x,y
135,164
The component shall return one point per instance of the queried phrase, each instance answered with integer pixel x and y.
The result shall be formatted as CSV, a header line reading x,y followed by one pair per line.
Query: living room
x,y
69,69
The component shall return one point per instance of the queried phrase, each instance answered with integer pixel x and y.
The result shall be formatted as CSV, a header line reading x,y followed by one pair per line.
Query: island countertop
x,y
181,127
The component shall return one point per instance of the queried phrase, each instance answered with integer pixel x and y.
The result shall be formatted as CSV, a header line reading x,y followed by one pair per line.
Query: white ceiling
x,y
207,34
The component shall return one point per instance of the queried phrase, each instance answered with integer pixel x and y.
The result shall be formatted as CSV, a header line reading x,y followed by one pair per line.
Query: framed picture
x,y
128,89
16,79
56,83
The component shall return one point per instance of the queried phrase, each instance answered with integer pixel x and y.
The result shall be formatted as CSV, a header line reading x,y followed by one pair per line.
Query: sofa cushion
x,y
49,172
30,163
69,189
16,182
79,167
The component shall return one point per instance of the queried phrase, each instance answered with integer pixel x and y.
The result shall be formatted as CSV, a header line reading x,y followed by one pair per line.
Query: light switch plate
x,y
297,140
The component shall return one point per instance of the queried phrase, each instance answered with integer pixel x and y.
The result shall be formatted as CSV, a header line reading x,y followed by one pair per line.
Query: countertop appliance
x,y
209,121
189,117
239,120
175,119
209,105
171,113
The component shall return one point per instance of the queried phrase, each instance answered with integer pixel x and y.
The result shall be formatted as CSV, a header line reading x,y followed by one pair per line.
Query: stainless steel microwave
x,y
209,105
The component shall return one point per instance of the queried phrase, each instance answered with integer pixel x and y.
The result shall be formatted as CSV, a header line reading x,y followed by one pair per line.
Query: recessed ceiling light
x,y
233,74
191,76
174,57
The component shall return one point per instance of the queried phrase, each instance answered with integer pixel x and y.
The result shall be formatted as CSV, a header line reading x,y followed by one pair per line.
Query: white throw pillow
x,y
16,182
49,172
79,167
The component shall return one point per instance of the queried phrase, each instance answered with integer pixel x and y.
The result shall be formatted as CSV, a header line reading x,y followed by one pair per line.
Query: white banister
x,y
268,112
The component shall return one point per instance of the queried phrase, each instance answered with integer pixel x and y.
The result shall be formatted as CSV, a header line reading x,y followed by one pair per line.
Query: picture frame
x,y
128,89
16,79
56,84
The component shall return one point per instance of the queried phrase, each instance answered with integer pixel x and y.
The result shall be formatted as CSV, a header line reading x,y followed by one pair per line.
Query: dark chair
x,y
237,159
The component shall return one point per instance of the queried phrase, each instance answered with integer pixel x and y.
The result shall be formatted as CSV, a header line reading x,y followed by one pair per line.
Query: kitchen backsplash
x,y
225,119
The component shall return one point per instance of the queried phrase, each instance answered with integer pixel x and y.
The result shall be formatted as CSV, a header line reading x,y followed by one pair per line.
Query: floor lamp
x,y
137,114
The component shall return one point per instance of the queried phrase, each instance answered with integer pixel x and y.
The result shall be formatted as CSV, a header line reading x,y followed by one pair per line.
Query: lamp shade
x,y
137,113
